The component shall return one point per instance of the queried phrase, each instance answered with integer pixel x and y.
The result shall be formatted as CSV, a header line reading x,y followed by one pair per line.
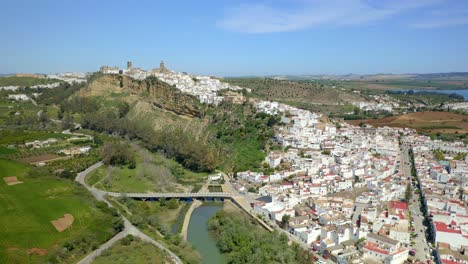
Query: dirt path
x,y
129,229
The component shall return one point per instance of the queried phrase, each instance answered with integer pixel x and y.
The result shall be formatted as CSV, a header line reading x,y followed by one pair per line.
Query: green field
x,y
24,81
133,250
7,151
27,210
153,173
21,136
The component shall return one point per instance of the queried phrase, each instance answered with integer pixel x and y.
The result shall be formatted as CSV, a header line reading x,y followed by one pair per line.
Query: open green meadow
x,y
27,210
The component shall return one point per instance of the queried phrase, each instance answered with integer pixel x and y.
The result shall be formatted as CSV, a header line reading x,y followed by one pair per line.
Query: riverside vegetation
x,y
244,242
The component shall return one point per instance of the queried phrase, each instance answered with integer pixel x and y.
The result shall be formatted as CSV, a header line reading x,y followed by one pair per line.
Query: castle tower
x,y
129,65
161,66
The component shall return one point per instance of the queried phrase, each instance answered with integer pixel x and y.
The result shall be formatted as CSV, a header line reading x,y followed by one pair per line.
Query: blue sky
x,y
230,37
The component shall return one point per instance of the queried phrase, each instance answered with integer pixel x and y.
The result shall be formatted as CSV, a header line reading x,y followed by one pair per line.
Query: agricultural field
x,y
27,234
133,250
9,108
407,84
430,122
21,136
153,173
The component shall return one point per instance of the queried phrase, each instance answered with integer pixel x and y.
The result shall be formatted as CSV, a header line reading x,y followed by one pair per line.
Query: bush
x,y
118,153
173,204
66,174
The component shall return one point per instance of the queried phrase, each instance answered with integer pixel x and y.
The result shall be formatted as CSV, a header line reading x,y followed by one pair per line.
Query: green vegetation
x,y
426,98
439,154
76,164
118,153
231,137
132,250
7,151
408,192
28,208
194,153
156,219
244,242
152,172
59,94
322,96
460,156
244,132
24,81
20,137
420,84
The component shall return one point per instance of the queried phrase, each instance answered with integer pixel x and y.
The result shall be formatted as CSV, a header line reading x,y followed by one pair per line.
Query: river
x,y
199,236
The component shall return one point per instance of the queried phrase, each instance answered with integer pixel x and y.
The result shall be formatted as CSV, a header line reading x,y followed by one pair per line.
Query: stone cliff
x,y
152,90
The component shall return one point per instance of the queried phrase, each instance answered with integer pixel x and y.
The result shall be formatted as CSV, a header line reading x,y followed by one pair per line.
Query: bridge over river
x,y
198,195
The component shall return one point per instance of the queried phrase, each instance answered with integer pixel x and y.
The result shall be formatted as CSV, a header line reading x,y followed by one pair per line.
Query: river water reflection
x,y
199,236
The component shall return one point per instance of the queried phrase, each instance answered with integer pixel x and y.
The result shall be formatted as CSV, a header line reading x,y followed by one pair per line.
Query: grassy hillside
x,y
311,95
200,137
300,91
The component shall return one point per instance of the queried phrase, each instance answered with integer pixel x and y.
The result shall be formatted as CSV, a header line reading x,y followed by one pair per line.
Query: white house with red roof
x,y
451,228
384,249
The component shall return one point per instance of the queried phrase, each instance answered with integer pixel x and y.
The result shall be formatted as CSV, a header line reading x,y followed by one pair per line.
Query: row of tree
x,y
244,242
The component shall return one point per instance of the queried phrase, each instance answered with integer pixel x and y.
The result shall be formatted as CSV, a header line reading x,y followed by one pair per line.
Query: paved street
x,y
421,245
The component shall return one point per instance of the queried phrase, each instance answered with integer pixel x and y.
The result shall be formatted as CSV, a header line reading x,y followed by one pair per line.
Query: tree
x,y
43,118
408,192
285,220
173,204
67,123
123,108
438,154
117,153
357,110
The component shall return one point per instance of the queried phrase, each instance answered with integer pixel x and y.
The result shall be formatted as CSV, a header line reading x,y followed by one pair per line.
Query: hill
x,y
311,95
201,137
158,93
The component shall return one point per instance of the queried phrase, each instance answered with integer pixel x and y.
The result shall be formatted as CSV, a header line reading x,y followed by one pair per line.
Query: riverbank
x,y
195,204
199,236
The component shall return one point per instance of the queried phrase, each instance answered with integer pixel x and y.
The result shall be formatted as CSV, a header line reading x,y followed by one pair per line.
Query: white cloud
x,y
297,15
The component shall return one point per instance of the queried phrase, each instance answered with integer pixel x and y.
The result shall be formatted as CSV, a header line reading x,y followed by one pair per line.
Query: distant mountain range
x,y
454,76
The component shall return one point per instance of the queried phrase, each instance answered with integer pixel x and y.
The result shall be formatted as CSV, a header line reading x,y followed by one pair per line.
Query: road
x,y
129,229
245,201
420,241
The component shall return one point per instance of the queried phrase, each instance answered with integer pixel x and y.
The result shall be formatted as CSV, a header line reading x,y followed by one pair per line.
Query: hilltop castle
x,y
115,70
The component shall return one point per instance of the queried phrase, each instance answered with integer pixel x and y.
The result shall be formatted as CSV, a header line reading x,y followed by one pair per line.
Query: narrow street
x,y
420,243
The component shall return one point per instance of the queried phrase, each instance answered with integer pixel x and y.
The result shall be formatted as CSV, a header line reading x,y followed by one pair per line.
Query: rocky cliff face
x,y
152,90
